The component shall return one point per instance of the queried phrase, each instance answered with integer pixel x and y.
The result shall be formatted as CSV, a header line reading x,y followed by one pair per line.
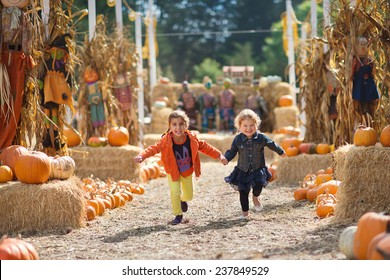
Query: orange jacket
x,y
165,146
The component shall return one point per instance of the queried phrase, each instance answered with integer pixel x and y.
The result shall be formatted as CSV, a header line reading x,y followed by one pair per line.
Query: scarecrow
x,y
96,98
226,103
207,107
124,95
56,88
189,104
15,59
364,92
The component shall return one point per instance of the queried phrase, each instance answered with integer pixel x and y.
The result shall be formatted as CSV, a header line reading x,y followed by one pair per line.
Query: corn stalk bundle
x,y
313,98
31,130
369,19
123,61
96,54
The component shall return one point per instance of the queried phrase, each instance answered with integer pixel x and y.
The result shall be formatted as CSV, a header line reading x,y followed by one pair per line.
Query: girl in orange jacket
x,y
179,150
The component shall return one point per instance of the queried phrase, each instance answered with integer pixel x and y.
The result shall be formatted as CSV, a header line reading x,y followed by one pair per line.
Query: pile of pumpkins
x,y
366,136
117,136
369,239
33,167
294,146
152,168
110,194
320,188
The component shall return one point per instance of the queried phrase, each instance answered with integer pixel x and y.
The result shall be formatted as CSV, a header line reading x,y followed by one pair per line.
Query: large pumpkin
x,y
62,167
378,249
118,136
33,168
385,136
323,149
72,139
17,249
10,154
369,225
365,136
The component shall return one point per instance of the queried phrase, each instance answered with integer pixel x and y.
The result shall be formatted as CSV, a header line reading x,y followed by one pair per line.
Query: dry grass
x,y
55,205
106,162
365,181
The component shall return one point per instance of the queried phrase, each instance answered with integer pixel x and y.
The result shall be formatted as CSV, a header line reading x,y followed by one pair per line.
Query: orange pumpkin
x,y
322,178
33,168
90,212
6,174
331,187
290,141
369,225
17,249
95,141
365,136
72,139
118,136
311,194
285,100
272,169
385,136
323,149
10,154
292,151
378,249
325,210
300,193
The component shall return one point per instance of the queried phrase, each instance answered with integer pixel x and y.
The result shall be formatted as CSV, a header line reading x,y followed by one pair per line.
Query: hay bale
x,y
159,122
286,116
365,179
292,170
55,205
106,162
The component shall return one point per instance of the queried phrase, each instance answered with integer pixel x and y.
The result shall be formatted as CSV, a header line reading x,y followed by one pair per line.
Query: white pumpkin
x,y
62,167
346,242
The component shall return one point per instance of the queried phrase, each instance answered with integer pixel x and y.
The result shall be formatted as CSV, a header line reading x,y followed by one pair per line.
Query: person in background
x,y
207,107
189,104
251,171
179,150
226,102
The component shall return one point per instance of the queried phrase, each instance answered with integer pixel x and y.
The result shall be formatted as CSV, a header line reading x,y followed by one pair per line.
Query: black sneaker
x,y
184,206
177,220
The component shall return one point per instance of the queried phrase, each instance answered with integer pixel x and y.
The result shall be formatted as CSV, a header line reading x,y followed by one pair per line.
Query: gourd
x,y
33,168
323,149
62,167
346,242
118,136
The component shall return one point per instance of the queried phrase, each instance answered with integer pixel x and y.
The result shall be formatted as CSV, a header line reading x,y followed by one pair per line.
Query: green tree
x,y
208,67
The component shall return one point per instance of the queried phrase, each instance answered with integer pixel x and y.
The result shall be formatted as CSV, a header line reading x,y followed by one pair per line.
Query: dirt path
x,y
284,230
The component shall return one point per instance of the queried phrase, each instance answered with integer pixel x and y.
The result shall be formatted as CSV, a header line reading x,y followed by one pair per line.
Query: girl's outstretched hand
x,y
138,159
283,155
223,159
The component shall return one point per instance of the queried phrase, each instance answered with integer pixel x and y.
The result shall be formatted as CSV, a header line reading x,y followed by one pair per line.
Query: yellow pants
x,y
181,190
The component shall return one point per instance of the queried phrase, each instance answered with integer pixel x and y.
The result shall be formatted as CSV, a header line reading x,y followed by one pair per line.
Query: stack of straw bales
x,y
159,122
292,170
286,116
55,205
364,173
107,162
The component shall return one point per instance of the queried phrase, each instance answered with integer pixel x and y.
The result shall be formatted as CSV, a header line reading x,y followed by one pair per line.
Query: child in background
x,y
180,149
250,171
